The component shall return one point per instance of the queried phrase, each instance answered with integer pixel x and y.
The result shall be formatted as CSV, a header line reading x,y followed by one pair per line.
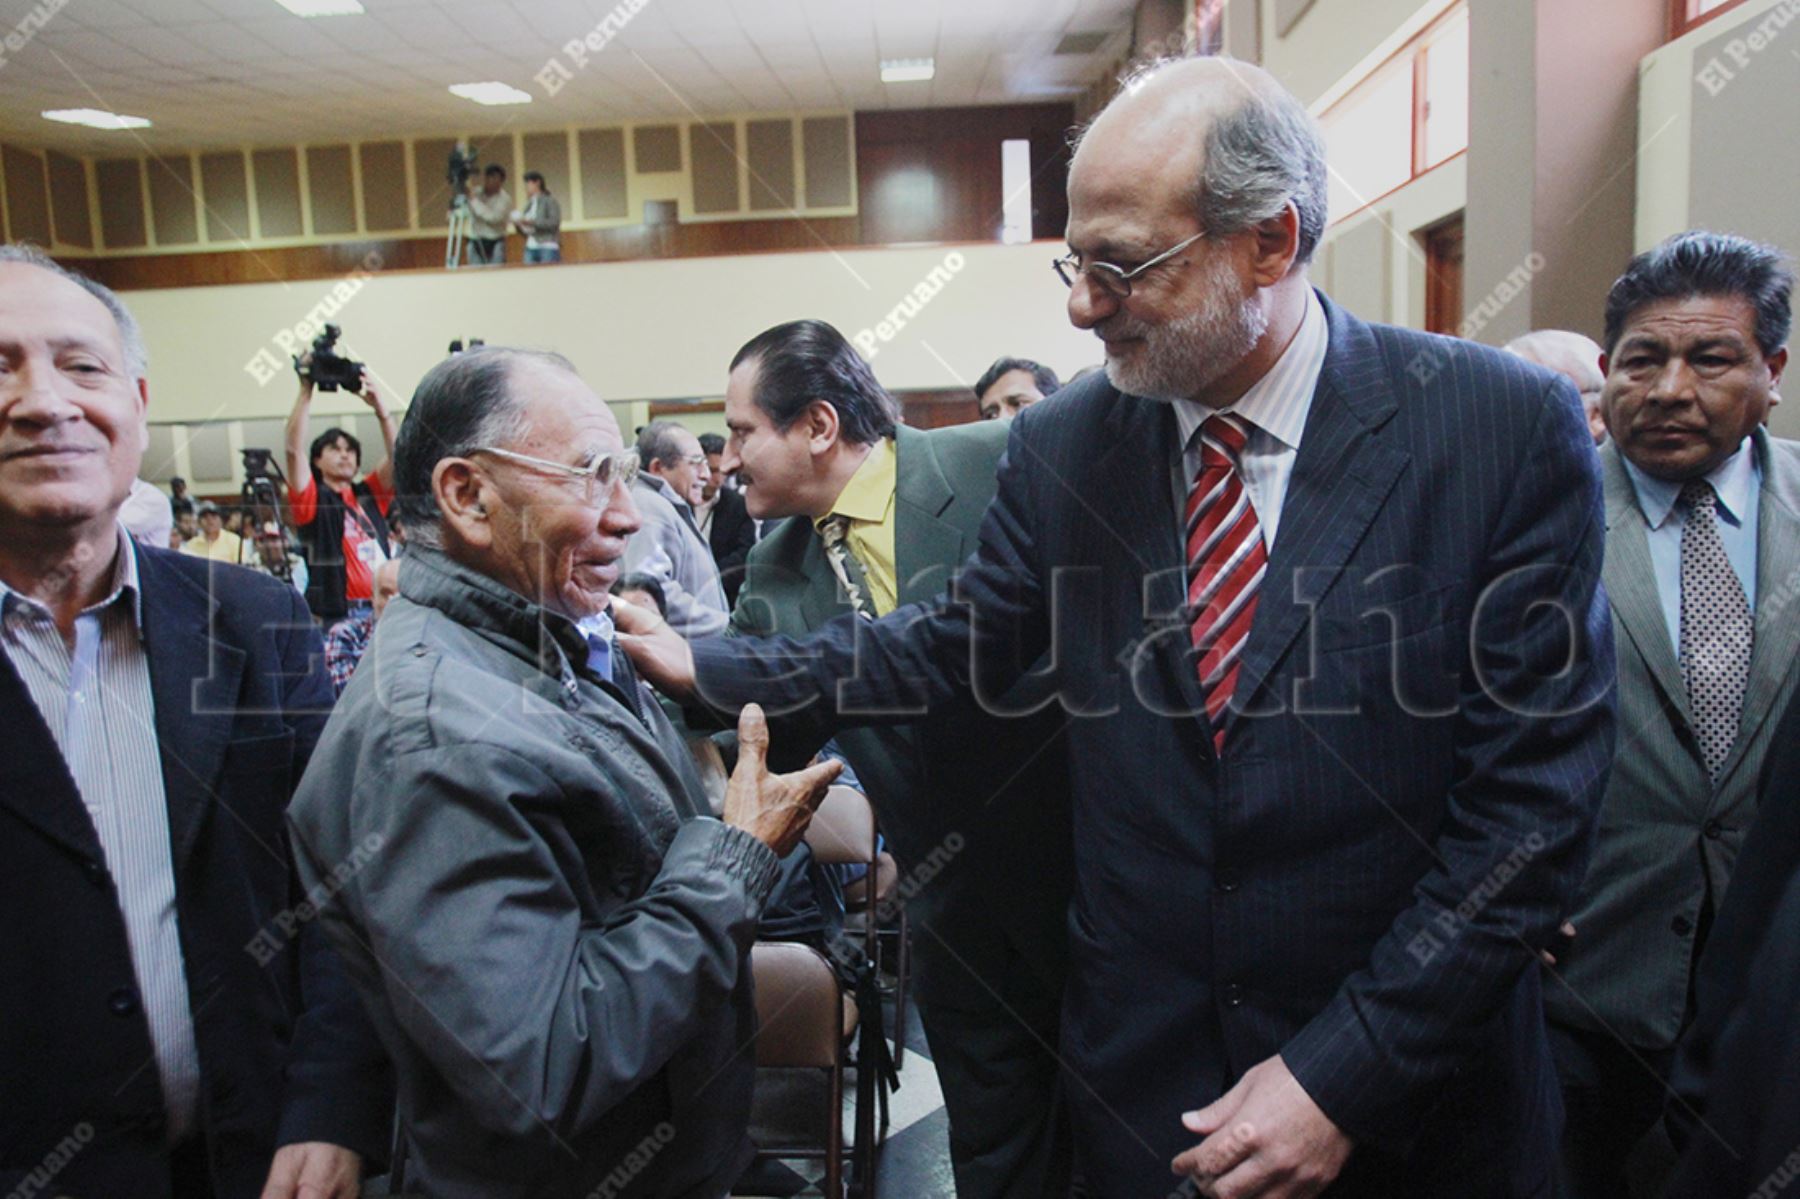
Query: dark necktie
x,y
1717,630
1225,563
833,531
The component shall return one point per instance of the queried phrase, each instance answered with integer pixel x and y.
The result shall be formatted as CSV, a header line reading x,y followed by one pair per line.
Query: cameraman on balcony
x,y
343,524
489,208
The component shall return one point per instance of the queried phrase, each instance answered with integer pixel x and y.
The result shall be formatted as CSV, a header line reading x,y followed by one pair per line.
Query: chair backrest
x,y
843,828
799,1006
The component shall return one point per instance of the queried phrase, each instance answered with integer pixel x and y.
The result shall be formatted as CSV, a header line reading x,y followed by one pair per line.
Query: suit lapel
x,y
195,681
1342,474
1777,576
1130,496
923,542
1630,579
34,779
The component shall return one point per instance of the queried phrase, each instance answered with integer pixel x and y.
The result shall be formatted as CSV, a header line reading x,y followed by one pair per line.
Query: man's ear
x,y
1277,246
821,426
463,494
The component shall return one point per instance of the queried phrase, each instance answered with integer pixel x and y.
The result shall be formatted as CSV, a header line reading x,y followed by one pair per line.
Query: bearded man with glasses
x,y
1321,598
507,840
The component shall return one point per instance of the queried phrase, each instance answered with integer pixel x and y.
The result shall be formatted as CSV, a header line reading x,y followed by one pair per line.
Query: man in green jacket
x,y
974,802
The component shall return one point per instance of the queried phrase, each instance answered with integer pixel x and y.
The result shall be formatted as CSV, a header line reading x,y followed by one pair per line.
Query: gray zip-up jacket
x,y
669,545
553,941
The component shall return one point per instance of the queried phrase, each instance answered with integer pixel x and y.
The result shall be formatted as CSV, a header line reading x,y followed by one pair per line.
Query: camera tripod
x,y
459,232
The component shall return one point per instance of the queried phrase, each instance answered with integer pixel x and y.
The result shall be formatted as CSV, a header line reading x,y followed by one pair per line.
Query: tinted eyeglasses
x,y
1115,281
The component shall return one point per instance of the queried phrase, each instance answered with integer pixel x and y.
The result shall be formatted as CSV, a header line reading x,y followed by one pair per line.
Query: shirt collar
x,y
1733,481
1278,403
870,491
597,631
124,583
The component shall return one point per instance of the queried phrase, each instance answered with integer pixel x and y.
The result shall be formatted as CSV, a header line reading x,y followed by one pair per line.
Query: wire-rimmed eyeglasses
x,y
1115,281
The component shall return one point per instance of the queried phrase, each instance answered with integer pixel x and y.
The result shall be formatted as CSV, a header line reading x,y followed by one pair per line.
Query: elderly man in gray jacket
x,y
506,840
670,545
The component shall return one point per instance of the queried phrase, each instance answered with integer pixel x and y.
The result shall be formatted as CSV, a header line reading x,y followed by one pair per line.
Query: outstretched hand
x,y
773,808
660,654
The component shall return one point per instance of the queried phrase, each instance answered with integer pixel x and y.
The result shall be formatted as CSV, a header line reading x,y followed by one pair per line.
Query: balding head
x,y
1194,200
1573,356
1218,134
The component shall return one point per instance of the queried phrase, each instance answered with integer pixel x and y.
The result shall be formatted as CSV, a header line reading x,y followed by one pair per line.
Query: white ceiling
x,y
233,72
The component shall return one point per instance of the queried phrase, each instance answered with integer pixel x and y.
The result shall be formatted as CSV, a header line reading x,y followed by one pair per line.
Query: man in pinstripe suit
x,y
167,1020
1336,746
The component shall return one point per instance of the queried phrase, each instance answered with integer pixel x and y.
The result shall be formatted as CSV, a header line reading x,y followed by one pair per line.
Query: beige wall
x,y
1333,38
638,331
1374,262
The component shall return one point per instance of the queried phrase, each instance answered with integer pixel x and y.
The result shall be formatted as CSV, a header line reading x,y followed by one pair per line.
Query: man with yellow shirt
x,y
881,515
214,541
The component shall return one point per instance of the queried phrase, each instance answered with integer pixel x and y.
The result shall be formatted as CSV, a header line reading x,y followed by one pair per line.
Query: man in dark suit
x,y
1336,753
1737,1076
880,516
173,1024
729,528
1702,559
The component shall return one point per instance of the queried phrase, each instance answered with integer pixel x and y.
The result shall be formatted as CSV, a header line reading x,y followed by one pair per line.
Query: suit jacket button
x,y
1714,829
122,1001
96,872
1233,995
1226,881
1681,926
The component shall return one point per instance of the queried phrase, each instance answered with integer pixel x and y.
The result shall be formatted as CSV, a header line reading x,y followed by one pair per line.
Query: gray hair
x,y
1260,156
464,403
137,358
658,441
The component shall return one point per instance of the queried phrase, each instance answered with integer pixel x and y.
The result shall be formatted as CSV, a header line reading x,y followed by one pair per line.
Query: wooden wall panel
x,y
69,200
713,158
172,201
120,182
825,147
959,149
604,195
226,186
769,149
27,196
547,153
277,192
656,148
329,187
383,167
430,158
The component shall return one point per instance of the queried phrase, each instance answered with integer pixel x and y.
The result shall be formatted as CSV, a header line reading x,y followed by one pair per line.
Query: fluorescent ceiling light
x,y
907,70
321,8
94,118
491,92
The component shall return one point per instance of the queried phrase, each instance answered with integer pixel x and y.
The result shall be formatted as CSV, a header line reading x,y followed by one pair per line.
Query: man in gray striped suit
x,y
1702,571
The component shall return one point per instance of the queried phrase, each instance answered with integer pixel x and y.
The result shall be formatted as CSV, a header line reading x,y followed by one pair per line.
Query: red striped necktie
x,y
1225,563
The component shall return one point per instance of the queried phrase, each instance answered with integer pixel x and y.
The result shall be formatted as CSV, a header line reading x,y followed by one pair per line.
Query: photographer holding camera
x,y
489,209
343,523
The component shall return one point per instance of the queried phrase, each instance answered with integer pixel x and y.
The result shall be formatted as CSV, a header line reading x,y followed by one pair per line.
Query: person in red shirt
x,y
343,524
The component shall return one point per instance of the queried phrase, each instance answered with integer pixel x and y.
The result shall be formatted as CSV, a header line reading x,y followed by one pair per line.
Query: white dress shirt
x,y
1275,408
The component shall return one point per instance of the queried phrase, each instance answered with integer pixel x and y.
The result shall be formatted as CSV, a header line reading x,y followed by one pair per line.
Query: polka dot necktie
x,y
1225,564
1717,630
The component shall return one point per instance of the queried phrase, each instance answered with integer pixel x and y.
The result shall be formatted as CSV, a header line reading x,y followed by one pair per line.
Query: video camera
x,y
328,370
462,167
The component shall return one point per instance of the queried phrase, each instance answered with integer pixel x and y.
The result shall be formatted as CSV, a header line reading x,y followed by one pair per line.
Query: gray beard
x,y
1181,359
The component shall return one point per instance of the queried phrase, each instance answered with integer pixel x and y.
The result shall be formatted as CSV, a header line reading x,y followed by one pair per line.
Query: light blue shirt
x,y
1738,482
598,631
